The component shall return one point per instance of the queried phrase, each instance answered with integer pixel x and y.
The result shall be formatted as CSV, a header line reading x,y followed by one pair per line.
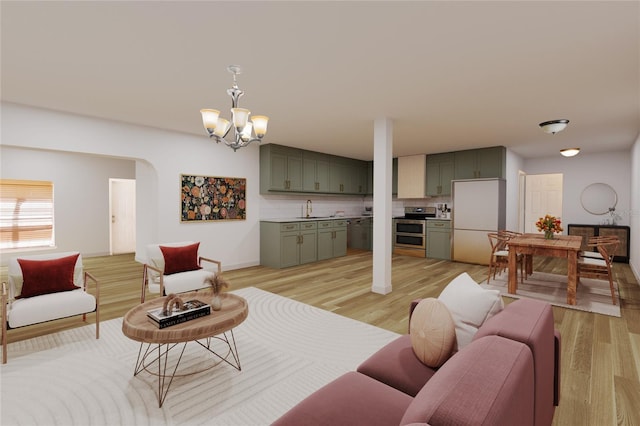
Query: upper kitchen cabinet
x,y
439,174
280,169
339,179
347,176
412,176
315,172
358,179
394,177
480,163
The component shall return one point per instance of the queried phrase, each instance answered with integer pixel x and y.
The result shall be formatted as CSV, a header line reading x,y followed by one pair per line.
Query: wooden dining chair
x,y
499,260
600,268
593,241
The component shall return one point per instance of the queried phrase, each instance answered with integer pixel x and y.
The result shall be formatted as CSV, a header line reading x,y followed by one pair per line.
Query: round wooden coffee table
x,y
203,330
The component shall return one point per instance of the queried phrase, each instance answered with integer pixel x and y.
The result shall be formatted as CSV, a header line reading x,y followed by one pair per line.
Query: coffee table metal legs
x,y
148,357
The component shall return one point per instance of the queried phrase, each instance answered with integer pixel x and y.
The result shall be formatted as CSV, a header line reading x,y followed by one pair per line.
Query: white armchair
x,y
176,268
46,287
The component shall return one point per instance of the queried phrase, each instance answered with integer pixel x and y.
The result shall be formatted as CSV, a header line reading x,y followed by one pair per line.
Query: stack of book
x,y
192,309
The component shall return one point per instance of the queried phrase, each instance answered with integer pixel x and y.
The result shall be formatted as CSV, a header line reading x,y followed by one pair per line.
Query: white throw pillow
x,y
470,306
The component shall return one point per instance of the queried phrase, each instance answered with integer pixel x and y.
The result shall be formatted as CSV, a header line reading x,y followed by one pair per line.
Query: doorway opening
x,y
122,216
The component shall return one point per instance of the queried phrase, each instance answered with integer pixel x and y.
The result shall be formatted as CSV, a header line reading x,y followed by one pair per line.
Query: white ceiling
x,y
451,75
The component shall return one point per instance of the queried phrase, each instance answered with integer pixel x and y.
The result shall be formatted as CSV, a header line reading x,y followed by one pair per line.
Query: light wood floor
x,y
600,354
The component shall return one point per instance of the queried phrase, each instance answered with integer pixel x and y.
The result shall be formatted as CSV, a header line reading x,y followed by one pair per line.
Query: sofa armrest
x,y
556,381
489,382
206,259
145,280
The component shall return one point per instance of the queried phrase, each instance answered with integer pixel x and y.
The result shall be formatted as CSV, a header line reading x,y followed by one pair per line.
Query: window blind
x,y
26,214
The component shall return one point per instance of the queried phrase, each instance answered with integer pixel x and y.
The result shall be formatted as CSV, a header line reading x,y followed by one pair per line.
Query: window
x,y
26,214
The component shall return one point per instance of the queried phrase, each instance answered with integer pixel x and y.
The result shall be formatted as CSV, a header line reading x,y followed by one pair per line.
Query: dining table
x,y
529,245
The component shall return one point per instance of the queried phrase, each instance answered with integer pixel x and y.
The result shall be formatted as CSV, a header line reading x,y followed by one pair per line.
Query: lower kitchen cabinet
x,y
284,244
360,234
332,238
439,239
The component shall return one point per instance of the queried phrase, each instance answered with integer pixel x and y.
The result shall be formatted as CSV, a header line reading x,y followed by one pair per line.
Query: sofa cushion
x,y
180,259
351,399
398,366
489,382
47,276
47,307
432,331
470,306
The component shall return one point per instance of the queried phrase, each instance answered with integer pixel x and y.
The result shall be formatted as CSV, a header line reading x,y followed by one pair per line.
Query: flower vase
x,y
548,235
216,303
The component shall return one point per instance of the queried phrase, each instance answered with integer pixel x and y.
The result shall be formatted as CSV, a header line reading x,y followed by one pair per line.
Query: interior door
x,y
543,195
122,215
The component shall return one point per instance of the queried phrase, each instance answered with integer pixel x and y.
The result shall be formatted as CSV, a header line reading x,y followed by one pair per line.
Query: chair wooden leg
x,y
4,335
613,293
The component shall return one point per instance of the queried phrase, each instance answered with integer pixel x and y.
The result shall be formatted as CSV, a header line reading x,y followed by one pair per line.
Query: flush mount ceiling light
x,y
554,126
570,152
218,128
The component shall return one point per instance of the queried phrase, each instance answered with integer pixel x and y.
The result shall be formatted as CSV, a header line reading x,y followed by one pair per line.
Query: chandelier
x,y
243,131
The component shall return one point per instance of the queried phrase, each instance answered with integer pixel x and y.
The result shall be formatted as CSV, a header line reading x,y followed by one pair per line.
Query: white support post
x,y
382,205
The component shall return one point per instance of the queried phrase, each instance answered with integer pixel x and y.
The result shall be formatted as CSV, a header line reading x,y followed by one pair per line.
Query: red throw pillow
x,y
47,276
180,259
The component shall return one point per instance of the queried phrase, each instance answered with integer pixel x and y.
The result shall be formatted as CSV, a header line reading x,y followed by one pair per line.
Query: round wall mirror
x,y
598,198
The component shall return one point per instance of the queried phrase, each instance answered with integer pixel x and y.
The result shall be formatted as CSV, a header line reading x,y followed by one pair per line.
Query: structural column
x,y
382,205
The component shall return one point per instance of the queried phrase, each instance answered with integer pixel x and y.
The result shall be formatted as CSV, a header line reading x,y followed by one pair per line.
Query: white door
x,y
543,195
122,206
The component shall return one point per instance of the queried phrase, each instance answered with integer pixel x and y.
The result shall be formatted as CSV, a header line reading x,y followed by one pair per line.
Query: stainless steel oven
x,y
410,231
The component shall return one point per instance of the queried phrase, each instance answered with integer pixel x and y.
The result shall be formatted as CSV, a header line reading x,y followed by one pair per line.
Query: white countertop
x,y
304,219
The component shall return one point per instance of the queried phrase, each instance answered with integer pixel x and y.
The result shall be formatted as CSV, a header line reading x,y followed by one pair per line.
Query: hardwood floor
x,y
600,383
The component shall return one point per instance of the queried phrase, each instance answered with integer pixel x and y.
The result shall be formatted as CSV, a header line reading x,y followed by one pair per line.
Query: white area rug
x,y
591,296
287,350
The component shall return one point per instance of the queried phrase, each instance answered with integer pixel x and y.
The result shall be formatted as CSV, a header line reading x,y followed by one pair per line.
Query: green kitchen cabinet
x,y
339,175
440,174
439,239
315,172
358,177
480,163
394,177
280,169
284,244
332,238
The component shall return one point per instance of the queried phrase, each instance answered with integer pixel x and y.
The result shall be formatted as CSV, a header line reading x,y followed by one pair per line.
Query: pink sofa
x,y
509,374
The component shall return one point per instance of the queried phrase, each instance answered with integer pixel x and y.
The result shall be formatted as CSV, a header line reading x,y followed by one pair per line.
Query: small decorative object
x,y
217,283
171,301
549,225
176,311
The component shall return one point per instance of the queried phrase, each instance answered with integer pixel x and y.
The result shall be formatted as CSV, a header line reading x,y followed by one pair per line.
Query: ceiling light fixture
x,y
554,126
570,152
218,128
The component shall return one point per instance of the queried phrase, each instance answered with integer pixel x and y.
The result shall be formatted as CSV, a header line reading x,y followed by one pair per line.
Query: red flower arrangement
x,y
549,224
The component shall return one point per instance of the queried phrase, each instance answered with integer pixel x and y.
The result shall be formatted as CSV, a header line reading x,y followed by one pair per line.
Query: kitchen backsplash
x,y
285,206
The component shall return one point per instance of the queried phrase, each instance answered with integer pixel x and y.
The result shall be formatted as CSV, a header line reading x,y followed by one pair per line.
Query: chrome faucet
x,y
309,207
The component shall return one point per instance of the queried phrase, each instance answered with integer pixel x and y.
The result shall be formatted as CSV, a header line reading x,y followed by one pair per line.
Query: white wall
x,y
613,168
514,166
81,192
160,156
635,209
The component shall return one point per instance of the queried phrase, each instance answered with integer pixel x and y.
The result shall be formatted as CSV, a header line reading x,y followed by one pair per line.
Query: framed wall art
x,y
205,198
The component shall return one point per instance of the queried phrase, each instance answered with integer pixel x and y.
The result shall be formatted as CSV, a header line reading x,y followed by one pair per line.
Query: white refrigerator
x,y
479,207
